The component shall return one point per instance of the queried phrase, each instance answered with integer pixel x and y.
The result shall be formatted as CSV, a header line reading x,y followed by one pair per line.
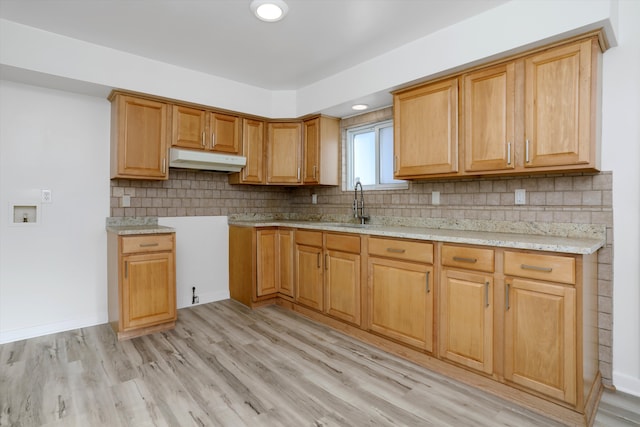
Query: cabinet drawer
x,y
478,259
343,243
401,249
309,238
553,268
147,243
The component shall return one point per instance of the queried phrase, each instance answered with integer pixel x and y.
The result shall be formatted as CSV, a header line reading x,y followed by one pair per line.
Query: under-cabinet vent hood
x,y
205,160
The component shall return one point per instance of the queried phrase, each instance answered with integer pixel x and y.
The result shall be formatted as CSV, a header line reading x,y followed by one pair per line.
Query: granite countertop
x,y
138,225
551,243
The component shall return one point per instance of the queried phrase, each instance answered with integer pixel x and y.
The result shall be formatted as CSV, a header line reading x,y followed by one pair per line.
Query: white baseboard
x,y
626,383
50,328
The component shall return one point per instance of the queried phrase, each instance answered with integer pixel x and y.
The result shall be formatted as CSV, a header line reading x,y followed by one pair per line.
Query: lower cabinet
x,y
466,307
328,273
524,319
400,291
541,325
142,285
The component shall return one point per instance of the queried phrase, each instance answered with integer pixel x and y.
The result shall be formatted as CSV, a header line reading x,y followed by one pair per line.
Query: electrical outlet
x,y
435,197
521,197
126,201
314,199
46,196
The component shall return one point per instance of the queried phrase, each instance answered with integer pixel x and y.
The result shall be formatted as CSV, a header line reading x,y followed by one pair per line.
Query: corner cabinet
x,y
142,283
139,138
284,153
426,130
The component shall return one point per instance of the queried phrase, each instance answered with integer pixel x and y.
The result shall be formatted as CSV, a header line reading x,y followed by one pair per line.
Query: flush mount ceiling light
x,y
269,10
359,107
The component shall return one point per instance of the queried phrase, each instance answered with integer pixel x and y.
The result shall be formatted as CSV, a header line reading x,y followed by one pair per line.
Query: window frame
x,y
349,164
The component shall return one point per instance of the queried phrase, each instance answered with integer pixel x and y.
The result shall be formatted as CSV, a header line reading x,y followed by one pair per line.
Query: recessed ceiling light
x,y
359,107
269,10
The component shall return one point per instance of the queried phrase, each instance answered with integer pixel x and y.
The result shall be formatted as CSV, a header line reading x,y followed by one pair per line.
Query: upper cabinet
x,y
205,130
284,152
139,138
426,130
253,150
489,119
533,113
560,115
320,149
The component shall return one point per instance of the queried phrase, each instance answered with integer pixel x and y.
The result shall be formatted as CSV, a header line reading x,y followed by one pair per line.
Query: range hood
x,y
205,160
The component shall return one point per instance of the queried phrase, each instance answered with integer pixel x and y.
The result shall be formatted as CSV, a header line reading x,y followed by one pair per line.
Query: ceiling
x,y
318,38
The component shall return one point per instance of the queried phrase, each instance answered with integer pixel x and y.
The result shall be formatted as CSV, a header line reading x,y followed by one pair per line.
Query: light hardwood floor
x,y
226,365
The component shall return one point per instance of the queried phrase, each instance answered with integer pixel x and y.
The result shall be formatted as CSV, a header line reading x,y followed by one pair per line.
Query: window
x,y
370,157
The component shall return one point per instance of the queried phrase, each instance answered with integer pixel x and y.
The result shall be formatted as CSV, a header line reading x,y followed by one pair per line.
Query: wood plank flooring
x,y
226,365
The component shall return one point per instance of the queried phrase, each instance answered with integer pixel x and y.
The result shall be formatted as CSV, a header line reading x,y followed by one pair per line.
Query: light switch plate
x,y
521,197
46,196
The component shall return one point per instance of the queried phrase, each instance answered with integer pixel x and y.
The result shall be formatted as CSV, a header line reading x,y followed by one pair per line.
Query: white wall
x,y
202,257
621,154
53,275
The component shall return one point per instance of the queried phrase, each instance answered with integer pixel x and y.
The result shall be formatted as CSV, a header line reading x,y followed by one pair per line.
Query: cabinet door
x,y
283,153
466,327
225,133
311,141
489,124
189,128
426,130
401,301
267,262
285,257
148,290
540,337
309,276
342,285
140,133
558,122
253,150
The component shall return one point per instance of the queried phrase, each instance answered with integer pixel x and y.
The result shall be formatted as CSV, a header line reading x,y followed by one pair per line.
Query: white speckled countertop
x,y
138,225
540,242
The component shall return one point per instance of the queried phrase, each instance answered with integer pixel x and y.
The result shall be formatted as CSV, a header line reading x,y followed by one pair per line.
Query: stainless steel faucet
x,y
358,205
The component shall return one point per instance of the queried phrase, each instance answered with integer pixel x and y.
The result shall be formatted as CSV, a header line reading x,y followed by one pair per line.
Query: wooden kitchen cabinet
x,y
426,130
400,281
342,277
541,324
139,138
284,152
309,276
561,96
274,249
489,119
253,150
320,150
466,307
198,129
328,273
142,283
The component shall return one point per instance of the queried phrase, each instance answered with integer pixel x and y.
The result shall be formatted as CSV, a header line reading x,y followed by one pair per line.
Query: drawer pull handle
x,y
396,251
463,259
148,245
536,268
